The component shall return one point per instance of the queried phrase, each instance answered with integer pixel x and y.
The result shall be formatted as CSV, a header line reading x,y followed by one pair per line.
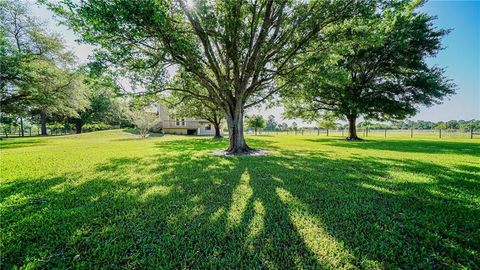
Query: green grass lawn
x,y
110,200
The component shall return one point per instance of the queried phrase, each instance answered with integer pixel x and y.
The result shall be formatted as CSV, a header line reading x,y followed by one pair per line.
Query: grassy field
x,y
110,200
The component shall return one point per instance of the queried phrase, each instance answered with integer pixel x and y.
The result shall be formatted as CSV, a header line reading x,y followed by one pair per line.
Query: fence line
x,y
385,133
362,132
34,132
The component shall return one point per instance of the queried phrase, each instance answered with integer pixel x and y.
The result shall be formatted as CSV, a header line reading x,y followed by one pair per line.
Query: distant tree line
x,y
424,125
258,122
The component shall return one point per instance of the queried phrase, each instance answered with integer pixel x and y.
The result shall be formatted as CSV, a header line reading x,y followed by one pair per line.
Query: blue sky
x,y
461,58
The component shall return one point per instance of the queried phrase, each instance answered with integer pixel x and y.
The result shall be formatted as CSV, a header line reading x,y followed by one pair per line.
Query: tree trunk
x,y
78,126
237,144
352,129
255,131
21,127
43,123
217,131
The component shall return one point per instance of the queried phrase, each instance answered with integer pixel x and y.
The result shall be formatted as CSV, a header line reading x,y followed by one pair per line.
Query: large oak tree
x,y
375,67
233,48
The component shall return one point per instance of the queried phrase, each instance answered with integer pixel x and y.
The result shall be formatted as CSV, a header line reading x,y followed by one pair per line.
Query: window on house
x,y
177,122
183,121
208,127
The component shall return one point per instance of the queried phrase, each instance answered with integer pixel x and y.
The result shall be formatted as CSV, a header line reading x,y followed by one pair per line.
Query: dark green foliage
x,y
374,67
256,122
105,104
37,71
233,49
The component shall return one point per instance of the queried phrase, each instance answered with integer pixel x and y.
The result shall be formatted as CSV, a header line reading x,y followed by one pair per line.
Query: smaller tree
x,y
471,124
326,124
144,121
7,123
255,122
194,102
441,125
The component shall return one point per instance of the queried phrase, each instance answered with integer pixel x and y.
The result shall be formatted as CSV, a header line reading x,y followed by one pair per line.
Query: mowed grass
x,y
110,200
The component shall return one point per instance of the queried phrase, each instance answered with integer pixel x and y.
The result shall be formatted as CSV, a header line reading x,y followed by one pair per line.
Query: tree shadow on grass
x,y
250,135
413,146
20,143
178,214
133,131
429,222
182,209
207,144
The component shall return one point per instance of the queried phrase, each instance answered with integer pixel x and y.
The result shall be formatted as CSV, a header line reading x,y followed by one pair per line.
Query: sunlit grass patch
x,y
240,199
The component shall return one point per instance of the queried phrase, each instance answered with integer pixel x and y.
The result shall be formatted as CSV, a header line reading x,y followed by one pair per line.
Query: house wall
x,y
178,131
203,129
162,112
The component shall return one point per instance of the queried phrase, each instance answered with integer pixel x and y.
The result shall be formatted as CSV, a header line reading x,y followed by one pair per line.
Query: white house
x,y
187,126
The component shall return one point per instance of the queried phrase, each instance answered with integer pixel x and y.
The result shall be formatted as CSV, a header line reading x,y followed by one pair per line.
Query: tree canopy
x,y
256,122
26,49
375,67
104,103
233,49
38,71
